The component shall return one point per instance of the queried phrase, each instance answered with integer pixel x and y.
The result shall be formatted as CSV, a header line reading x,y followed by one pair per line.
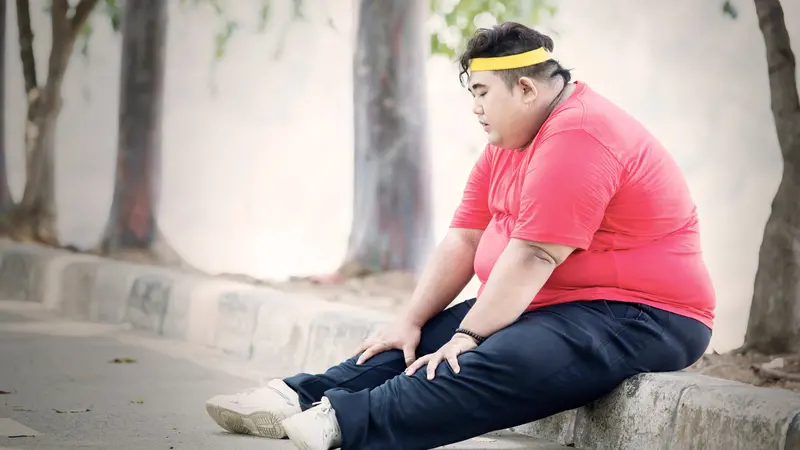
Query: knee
x,y
389,357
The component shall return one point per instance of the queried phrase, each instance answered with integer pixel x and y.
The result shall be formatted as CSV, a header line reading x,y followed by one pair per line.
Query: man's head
x,y
511,103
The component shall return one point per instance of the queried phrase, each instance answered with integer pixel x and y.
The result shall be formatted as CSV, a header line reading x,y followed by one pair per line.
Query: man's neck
x,y
558,96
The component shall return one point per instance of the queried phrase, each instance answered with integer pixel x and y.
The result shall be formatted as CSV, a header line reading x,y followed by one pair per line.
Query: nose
x,y
477,109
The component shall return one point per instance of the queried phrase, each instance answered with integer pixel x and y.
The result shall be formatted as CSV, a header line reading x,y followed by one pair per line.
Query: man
x,y
583,232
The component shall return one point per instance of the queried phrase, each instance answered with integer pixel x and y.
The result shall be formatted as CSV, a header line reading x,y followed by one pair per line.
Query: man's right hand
x,y
401,335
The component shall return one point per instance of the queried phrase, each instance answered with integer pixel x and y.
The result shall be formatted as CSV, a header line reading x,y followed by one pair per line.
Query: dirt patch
x,y
776,371
387,291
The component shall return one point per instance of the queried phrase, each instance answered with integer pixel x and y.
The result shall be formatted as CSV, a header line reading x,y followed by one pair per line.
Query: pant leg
x,y
550,360
350,377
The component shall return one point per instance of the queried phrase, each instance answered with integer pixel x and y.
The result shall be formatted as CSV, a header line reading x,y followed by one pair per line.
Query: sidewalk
x,y
298,332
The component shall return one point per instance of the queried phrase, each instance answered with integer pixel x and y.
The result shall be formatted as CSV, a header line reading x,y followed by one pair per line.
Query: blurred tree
x,y
774,323
34,217
392,206
132,225
6,203
391,228
132,230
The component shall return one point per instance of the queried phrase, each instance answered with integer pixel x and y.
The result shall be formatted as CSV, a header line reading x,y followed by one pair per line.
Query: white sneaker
x,y
258,411
315,428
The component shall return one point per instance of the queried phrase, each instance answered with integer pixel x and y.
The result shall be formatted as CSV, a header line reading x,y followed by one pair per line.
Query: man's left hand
x,y
457,345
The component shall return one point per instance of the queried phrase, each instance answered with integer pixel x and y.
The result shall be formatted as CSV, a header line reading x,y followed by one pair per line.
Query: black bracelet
x,y
478,338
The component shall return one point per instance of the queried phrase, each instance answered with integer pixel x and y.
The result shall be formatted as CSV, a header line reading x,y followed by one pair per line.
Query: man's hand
x,y
401,335
457,345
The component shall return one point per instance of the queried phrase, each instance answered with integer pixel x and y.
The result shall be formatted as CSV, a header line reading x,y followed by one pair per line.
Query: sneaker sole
x,y
259,423
294,436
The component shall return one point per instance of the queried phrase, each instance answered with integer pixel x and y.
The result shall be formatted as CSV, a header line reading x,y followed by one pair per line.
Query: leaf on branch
x,y
456,21
263,14
297,10
83,38
223,37
729,9
113,9
229,26
80,13
217,7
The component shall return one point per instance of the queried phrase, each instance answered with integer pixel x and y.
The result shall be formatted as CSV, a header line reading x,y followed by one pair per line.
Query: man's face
x,y
505,113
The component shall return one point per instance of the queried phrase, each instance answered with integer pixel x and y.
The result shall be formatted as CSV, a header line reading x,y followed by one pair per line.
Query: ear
x,y
528,89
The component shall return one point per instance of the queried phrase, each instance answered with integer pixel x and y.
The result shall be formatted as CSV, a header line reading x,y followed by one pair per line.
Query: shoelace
x,y
332,431
324,404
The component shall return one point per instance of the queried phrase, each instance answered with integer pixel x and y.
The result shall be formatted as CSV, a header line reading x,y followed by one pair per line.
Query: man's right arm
x,y
449,270
451,266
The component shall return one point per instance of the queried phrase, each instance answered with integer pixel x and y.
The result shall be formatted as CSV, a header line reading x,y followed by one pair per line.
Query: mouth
x,y
484,125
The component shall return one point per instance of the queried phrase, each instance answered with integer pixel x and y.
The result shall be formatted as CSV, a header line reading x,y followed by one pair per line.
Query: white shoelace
x,y
324,404
330,432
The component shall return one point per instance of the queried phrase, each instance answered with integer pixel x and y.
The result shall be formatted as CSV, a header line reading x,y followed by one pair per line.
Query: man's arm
x,y
587,176
447,273
519,274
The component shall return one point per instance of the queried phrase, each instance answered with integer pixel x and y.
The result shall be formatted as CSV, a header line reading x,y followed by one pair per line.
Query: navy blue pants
x,y
550,360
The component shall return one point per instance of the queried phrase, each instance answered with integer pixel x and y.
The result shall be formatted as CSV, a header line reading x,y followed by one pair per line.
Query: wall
x,y
257,156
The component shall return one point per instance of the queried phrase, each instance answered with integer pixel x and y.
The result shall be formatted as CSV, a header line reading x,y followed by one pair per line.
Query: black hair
x,y
511,38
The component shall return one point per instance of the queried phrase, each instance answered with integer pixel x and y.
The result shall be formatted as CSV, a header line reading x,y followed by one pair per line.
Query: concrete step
x,y
505,440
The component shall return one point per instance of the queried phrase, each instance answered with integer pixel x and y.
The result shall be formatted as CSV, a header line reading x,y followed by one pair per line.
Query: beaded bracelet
x,y
478,338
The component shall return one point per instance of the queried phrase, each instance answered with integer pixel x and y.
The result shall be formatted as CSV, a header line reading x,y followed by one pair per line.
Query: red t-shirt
x,y
594,179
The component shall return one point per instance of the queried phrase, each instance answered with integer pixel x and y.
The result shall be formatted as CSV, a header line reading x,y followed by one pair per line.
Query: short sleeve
x,y
473,211
569,183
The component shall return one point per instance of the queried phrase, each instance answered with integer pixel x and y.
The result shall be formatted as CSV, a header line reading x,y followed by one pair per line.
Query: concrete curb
x,y
288,332
292,333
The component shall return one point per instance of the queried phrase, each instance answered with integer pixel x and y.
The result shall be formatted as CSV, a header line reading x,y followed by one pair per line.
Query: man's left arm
x,y
567,188
519,274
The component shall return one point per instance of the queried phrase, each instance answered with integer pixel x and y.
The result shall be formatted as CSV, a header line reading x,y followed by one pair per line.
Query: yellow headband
x,y
526,59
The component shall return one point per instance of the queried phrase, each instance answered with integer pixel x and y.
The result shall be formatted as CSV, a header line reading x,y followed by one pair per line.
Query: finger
x,y
417,364
453,361
433,364
370,352
364,345
409,354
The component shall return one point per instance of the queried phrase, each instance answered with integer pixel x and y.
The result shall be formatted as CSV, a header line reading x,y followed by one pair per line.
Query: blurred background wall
x,y
257,151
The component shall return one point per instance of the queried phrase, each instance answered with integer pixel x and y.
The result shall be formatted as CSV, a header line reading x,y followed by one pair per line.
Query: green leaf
x,y
223,37
461,18
729,9
83,38
263,14
297,9
113,10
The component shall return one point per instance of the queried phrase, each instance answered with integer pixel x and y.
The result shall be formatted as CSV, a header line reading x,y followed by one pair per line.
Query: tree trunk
x,y
6,202
132,229
392,208
774,325
34,218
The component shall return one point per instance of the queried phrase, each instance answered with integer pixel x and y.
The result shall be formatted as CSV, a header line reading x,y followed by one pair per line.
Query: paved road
x,y
59,383
157,402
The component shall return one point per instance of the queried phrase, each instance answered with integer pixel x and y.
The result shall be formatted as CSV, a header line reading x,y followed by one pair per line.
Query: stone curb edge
x,y
297,333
